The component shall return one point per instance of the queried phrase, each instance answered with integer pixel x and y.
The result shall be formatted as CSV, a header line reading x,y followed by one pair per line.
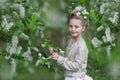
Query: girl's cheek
x,y
70,29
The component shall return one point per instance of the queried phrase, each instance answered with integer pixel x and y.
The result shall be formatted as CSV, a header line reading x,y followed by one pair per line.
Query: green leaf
x,y
34,18
30,25
82,2
18,33
21,25
40,23
42,62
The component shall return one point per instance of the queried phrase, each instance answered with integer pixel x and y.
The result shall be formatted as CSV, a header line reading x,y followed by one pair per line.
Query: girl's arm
x,y
80,61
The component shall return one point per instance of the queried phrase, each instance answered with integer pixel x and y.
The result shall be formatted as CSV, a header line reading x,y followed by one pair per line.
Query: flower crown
x,y
80,11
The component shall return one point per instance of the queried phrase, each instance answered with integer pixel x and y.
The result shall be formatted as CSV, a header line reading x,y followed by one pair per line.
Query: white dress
x,y
75,61
85,78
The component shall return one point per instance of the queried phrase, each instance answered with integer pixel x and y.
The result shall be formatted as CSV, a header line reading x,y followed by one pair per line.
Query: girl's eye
x,y
76,26
70,26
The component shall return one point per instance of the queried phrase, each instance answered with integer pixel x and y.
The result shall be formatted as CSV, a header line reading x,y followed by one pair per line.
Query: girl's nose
x,y
73,28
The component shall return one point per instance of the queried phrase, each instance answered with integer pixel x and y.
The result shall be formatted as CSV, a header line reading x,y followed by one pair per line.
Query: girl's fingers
x,y
51,50
55,56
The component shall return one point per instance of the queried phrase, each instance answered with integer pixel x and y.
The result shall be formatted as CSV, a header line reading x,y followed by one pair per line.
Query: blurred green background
x,y
32,26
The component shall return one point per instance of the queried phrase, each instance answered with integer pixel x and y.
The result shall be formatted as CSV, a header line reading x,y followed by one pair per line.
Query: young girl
x,y
75,61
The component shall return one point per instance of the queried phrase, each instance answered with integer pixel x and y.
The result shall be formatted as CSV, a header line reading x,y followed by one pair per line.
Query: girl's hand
x,y
52,50
55,56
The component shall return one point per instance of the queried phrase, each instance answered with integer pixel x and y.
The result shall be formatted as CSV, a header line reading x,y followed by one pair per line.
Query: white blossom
x,y
14,40
13,47
113,44
48,64
24,36
100,28
103,7
9,25
43,58
85,17
14,44
108,35
36,49
7,57
104,39
85,11
5,24
114,18
22,11
37,62
42,34
27,55
12,50
113,36
50,57
108,50
4,21
61,51
18,51
81,11
8,47
39,54
79,8
78,13
13,67
43,45
96,42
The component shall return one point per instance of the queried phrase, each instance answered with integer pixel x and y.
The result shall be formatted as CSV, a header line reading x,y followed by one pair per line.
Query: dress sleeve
x,y
80,61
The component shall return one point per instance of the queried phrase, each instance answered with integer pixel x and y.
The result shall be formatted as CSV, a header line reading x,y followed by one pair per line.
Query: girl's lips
x,y
73,32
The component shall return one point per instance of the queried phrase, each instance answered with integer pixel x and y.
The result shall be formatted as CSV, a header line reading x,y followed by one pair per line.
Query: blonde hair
x,y
84,21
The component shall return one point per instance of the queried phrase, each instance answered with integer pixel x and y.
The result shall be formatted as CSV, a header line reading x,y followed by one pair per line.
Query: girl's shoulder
x,y
81,42
82,45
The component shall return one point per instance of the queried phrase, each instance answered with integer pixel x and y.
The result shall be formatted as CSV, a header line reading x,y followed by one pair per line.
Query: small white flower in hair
x,y
79,8
78,13
85,17
85,11
81,11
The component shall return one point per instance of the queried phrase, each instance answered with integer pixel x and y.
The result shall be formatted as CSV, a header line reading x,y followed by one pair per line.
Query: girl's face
x,y
76,28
